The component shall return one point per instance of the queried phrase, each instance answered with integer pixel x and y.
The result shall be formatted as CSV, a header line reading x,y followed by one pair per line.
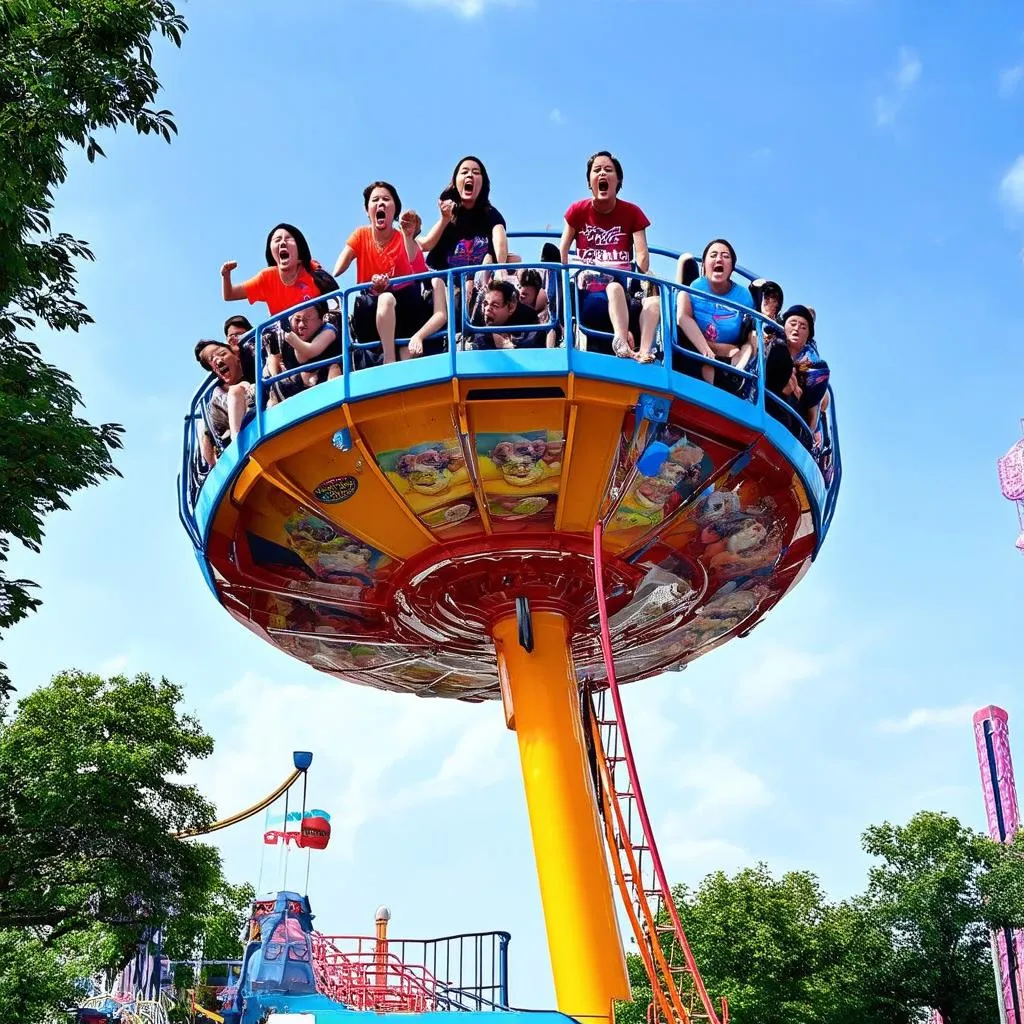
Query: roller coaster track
x,y
234,819
679,994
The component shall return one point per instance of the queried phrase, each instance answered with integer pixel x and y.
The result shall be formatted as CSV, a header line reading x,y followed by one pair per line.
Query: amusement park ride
x,y
534,527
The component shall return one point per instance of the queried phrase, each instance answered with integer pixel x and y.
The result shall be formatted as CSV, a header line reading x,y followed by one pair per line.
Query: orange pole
x,y
542,705
381,947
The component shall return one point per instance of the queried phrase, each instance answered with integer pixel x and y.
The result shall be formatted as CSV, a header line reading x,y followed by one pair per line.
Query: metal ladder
x,y
679,995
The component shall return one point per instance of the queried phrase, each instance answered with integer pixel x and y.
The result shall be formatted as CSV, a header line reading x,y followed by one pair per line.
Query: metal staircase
x,y
679,995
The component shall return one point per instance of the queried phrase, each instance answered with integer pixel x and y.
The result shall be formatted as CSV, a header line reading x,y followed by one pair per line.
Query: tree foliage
x,y
916,939
89,802
938,889
68,69
90,798
212,931
780,952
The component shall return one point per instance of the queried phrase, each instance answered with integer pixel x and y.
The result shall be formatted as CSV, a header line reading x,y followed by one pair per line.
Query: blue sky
x,y
869,159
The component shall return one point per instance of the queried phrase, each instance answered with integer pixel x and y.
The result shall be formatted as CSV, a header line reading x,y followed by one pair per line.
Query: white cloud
x,y
556,116
722,788
909,70
373,752
690,859
928,718
1011,188
114,666
774,679
904,78
478,759
1009,79
464,8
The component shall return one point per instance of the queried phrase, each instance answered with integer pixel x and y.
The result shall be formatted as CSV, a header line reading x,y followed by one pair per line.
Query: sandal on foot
x,y
621,347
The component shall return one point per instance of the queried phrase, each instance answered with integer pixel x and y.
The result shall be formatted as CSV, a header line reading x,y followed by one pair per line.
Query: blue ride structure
x,y
531,527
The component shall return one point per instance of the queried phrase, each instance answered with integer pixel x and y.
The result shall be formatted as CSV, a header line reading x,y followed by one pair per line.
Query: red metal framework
x,y
678,990
365,976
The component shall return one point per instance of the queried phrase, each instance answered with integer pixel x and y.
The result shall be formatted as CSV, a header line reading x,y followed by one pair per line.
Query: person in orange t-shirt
x,y
289,277
382,252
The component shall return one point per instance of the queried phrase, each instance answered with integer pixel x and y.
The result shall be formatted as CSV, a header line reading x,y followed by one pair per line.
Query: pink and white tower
x,y
992,736
1011,481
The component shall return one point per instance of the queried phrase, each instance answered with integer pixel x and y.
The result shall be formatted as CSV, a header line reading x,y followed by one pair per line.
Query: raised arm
x,y
433,236
230,291
411,224
344,260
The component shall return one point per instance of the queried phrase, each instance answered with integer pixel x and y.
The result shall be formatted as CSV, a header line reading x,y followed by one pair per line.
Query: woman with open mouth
x,y
610,233
291,275
382,253
706,326
469,232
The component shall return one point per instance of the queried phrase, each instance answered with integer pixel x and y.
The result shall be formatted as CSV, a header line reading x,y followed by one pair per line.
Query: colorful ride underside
x,y
532,526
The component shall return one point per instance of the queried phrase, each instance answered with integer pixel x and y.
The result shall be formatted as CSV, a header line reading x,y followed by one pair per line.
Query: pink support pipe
x,y
992,738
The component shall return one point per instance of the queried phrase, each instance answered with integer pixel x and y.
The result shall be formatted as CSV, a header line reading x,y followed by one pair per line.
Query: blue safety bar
x,y
746,400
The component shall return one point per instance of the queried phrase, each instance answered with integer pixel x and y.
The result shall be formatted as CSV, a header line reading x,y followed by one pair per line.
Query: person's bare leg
x,y
386,324
707,372
207,449
237,403
437,319
650,315
743,355
618,313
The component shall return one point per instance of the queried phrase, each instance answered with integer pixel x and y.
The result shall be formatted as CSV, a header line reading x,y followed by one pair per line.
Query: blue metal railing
x,y
747,385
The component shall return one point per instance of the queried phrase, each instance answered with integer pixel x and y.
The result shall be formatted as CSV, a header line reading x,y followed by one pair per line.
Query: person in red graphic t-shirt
x,y
610,232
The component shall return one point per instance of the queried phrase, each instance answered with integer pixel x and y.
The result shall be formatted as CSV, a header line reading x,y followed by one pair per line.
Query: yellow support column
x,y
542,705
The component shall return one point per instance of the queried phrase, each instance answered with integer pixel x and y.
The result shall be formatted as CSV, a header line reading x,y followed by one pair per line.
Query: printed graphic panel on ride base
x,y
434,481
641,502
521,474
290,541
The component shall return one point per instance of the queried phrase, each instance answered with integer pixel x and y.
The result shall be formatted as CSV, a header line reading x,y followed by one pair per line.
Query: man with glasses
x,y
501,308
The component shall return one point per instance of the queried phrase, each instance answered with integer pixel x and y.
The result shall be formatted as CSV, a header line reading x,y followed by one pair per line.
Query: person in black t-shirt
x,y
469,232
501,308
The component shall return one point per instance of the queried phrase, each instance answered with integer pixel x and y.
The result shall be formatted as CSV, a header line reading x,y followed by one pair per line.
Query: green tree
x,y
780,952
213,933
938,889
755,939
635,1010
36,980
89,802
68,69
90,798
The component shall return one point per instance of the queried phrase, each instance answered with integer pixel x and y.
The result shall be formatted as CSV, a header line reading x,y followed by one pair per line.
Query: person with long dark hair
x,y
470,231
290,277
